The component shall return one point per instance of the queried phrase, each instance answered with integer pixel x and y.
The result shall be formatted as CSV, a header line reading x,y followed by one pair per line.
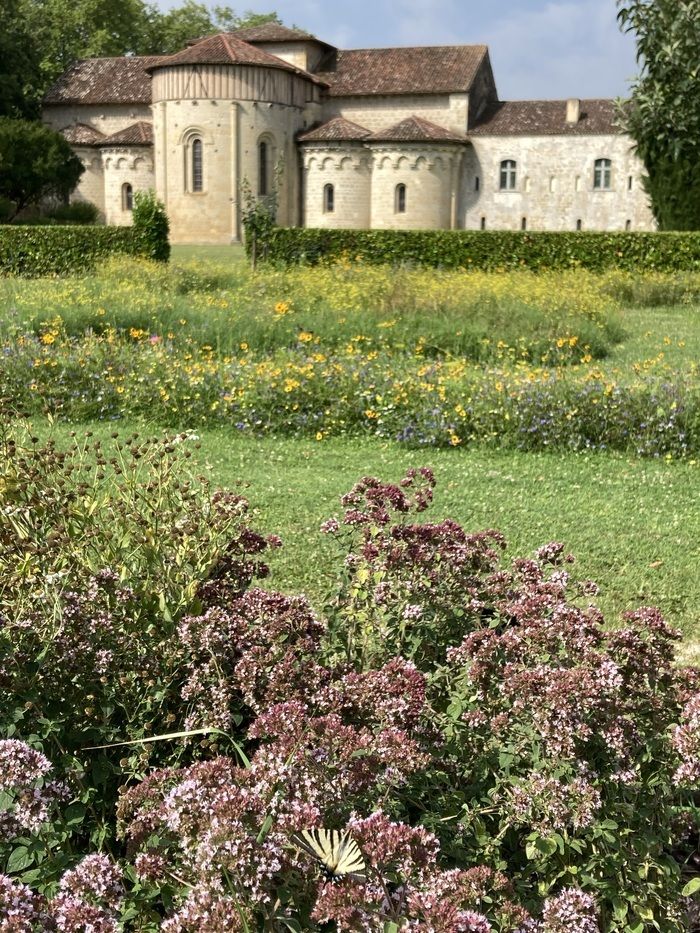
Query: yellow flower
x,y
282,307
319,435
371,413
48,338
305,336
455,440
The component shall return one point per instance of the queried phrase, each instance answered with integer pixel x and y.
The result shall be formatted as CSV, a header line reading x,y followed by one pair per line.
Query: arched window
x,y
127,197
508,175
263,168
400,199
328,199
628,225
602,174
197,149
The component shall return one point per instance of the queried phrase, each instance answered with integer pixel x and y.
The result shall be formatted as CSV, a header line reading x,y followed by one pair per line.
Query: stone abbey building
x,y
400,138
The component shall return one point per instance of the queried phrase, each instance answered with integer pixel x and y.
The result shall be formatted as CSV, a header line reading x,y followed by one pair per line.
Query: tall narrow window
x,y
328,199
630,182
579,225
127,197
508,175
197,165
628,225
400,199
477,183
602,174
523,223
263,169
483,223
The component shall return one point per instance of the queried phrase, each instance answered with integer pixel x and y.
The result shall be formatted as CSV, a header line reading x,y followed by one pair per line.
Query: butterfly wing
x,y
337,852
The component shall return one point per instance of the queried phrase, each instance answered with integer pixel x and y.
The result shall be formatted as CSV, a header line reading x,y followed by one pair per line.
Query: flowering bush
x,y
503,761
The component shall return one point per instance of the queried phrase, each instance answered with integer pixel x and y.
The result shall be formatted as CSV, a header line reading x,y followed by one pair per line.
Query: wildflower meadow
x,y
497,751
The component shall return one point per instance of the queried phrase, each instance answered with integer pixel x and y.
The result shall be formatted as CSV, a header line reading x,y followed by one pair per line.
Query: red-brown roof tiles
x,y
138,134
226,49
421,70
80,134
273,32
104,81
416,130
336,130
547,118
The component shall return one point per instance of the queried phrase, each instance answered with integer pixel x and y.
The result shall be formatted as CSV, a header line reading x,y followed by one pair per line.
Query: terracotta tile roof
x,y
336,130
138,134
80,134
547,118
416,130
104,81
273,32
226,49
421,70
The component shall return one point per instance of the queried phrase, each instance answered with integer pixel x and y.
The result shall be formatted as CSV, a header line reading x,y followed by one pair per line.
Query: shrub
x,y
490,250
83,213
503,760
34,252
151,226
103,551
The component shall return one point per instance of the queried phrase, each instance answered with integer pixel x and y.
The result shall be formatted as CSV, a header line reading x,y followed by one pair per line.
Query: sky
x,y
540,49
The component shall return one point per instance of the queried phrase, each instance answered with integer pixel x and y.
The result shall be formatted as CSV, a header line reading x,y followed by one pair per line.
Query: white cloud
x,y
562,49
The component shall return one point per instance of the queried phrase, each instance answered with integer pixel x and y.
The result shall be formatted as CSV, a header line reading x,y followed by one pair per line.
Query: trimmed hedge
x,y
32,252
489,250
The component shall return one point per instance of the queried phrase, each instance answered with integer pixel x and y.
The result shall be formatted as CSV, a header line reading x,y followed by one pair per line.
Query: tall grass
x,y
477,316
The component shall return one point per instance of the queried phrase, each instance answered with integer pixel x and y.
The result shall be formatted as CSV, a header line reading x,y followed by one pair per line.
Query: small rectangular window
x,y
523,223
477,183
483,223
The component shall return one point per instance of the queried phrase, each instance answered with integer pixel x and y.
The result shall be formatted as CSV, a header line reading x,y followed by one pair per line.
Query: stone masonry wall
x,y
348,168
427,173
91,186
554,188
107,118
379,113
125,165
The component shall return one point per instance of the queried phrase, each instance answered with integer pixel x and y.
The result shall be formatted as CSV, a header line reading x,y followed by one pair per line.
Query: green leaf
x,y
20,858
692,886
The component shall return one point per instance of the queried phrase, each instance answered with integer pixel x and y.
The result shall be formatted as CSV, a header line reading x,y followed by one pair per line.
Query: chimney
x,y
573,110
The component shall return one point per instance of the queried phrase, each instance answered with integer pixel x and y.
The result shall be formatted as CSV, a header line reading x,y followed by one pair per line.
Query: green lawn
x,y
634,525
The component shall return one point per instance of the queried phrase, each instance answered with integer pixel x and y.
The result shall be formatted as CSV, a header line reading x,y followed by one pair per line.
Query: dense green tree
x,y
664,116
35,163
65,30
18,64
170,31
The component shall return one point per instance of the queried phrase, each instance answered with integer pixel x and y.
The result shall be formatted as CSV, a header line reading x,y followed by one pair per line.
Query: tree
x,y
170,32
18,64
65,30
35,163
663,117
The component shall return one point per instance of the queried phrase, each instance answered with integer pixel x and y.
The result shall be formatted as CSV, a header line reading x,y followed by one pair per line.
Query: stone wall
x,y
554,188
124,165
379,113
428,174
231,132
91,186
348,167
107,118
